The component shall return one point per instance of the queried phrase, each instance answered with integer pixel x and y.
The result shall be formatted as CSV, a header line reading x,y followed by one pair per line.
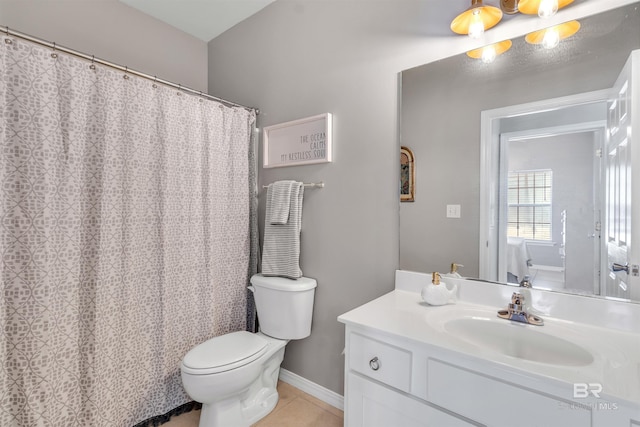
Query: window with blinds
x,y
529,204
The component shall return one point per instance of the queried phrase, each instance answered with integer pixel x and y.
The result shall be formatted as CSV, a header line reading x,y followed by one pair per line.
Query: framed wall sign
x,y
299,142
407,175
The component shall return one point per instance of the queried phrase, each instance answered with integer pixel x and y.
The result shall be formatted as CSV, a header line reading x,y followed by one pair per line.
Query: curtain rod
x,y
92,58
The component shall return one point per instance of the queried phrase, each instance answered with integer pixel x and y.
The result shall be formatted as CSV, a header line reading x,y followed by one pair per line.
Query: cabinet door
x,y
370,404
498,403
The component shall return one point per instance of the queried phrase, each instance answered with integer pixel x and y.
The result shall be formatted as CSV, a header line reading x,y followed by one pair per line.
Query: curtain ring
x,y
54,55
155,79
179,93
200,99
7,40
92,66
126,70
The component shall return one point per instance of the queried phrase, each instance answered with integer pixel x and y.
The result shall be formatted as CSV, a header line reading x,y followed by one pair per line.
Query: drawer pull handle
x,y
374,364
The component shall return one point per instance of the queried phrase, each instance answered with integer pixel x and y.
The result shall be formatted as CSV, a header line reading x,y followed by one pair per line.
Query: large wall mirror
x,y
532,149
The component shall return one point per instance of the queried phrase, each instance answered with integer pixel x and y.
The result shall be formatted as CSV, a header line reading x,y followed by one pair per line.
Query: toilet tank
x,y
284,306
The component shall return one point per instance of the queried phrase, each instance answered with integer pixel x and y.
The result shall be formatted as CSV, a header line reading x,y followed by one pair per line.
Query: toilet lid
x,y
225,352
283,284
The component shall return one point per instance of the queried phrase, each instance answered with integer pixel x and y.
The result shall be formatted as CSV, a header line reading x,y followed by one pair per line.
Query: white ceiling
x,y
207,19
204,19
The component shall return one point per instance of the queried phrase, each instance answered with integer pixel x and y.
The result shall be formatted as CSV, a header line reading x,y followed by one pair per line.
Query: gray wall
x,y
294,61
114,32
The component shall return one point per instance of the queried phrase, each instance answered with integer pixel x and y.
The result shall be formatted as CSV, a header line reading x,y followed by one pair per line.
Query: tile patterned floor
x,y
295,408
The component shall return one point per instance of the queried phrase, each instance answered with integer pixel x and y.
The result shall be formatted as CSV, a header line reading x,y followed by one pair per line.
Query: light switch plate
x,y
453,211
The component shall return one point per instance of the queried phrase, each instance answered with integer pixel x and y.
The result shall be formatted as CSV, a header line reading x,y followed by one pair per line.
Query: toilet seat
x,y
224,353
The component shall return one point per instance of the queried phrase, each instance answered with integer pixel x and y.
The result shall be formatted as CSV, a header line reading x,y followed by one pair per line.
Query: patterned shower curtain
x,y
125,237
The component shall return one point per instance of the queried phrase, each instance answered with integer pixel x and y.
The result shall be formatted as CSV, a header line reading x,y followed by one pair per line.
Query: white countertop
x,y
616,364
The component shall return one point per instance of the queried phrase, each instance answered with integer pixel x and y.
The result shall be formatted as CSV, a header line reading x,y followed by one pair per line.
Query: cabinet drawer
x,y
493,402
380,361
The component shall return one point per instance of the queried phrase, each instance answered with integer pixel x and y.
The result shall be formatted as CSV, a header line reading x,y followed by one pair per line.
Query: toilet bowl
x,y
235,375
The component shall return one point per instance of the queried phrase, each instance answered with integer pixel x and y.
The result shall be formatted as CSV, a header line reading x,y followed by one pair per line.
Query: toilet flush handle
x,y
251,288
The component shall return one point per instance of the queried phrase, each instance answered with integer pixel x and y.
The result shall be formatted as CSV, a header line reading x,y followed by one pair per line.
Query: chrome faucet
x,y
517,313
526,282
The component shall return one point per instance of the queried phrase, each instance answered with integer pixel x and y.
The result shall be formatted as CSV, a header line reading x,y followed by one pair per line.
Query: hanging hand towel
x,y
281,251
278,212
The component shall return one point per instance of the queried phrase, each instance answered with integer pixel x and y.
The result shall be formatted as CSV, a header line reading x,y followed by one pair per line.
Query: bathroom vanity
x,y
411,364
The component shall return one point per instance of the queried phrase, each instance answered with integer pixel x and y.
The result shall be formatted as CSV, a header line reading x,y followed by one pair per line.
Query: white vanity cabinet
x,y
399,372
394,383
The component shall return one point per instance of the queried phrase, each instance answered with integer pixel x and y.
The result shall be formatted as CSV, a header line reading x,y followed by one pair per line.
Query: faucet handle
x,y
526,282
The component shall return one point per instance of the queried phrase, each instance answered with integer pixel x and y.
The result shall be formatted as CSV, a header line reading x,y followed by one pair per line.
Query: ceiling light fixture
x,y
542,8
550,37
476,19
489,53
510,7
480,17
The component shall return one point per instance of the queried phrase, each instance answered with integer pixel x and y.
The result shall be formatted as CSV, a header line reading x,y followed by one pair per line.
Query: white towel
x,y
518,257
278,212
281,251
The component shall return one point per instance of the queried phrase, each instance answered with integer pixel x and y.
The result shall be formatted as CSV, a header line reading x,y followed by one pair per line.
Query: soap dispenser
x,y
437,292
454,271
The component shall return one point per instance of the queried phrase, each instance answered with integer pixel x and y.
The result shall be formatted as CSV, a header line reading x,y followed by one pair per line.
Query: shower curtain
x,y
125,236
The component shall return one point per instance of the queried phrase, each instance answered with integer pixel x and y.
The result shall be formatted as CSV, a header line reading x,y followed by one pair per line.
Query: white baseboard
x,y
327,396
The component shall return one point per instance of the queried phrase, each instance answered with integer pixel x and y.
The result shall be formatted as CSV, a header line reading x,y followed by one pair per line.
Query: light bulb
x,y
488,54
476,26
547,8
551,38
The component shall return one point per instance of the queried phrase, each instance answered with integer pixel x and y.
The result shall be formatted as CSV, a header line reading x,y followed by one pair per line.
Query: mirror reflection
x,y
521,145
551,210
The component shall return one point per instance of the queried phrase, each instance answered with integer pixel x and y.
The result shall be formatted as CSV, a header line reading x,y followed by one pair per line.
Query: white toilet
x,y
235,375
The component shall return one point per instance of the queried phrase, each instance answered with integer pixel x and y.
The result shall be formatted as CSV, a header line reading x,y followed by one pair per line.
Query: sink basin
x,y
518,340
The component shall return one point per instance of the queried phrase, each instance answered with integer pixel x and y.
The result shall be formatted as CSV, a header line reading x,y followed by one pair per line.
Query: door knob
x,y
620,267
